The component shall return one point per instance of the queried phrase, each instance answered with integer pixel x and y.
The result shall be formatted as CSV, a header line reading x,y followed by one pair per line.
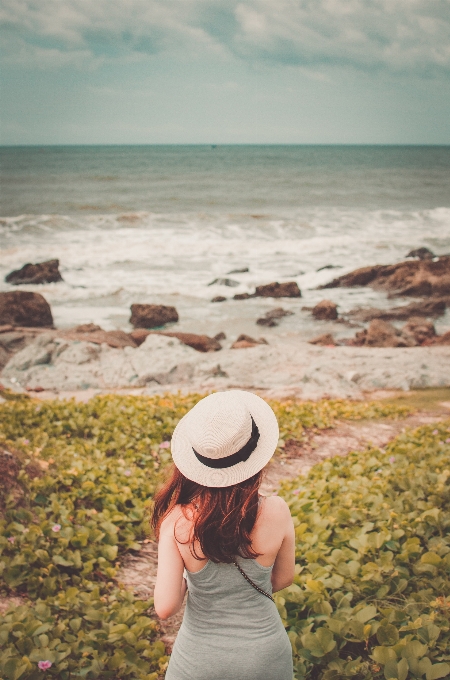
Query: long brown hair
x,y
224,516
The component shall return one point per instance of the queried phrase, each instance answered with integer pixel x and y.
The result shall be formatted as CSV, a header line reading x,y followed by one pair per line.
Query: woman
x,y
234,546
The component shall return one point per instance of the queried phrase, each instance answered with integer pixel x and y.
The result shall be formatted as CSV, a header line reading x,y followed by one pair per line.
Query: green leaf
x,y
438,670
431,558
366,613
319,643
383,655
387,634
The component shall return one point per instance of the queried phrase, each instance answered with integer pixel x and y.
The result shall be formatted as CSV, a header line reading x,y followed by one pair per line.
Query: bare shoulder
x,y
171,519
276,508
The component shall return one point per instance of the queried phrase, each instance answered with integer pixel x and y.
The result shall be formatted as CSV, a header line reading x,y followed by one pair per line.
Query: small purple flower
x,y
26,442
56,528
435,432
392,459
164,445
378,471
127,473
12,539
44,665
447,441
296,491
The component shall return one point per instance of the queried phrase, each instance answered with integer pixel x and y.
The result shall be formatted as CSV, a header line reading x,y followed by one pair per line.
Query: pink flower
x,y
164,445
392,459
296,491
435,432
56,528
447,441
26,442
127,473
11,539
44,665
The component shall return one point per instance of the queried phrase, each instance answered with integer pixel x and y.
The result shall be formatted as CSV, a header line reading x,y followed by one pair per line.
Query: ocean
x,y
158,224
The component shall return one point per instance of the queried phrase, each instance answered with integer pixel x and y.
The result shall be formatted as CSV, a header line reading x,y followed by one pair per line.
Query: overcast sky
x,y
225,71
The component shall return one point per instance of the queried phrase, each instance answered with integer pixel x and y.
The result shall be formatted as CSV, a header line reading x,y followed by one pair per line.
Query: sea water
x,y
158,224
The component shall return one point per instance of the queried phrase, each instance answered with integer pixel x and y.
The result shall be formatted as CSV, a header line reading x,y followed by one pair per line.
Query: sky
x,y
225,72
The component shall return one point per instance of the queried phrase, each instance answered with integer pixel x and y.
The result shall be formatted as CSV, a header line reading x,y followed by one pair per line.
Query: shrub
x,y
371,596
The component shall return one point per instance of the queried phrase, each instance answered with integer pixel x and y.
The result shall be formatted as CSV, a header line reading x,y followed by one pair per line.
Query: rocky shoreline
x,y
35,356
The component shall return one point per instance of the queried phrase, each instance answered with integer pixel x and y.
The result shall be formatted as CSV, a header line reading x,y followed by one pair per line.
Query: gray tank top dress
x,y
229,630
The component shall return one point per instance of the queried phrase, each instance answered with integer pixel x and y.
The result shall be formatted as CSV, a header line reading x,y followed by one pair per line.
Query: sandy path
x,y
139,571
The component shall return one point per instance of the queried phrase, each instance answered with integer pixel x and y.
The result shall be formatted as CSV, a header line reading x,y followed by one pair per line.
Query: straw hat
x,y
226,438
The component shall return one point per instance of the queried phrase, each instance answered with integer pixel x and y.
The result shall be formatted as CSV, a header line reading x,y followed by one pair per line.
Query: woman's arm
x,y
170,587
284,567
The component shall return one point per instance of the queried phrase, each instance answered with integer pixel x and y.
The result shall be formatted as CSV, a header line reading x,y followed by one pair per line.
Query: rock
x,y
224,282
422,253
202,343
152,316
15,340
244,270
442,339
277,313
43,272
218,298
264,321
277,290
382,334
329,266
118,339
424,308
325,310
325,340
21,308
4,357
87,328
245,341
242,296
419,330
220,336
6,328
418,278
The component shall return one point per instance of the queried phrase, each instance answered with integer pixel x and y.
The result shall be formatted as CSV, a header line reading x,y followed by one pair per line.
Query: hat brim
x,y
188,464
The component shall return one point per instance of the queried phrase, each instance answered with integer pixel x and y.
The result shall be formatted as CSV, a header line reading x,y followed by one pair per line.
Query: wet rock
x,y
4,357
277,290
278,313
20,308
265,321
419,330
425,308
224,282
218,298
326,340
325,310
220,336
417,278
244,270
152,316
329,266
422,253
245,341
202,343
42,272
242,296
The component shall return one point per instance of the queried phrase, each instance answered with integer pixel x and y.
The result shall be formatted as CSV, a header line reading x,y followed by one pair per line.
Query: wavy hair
x,y
224,516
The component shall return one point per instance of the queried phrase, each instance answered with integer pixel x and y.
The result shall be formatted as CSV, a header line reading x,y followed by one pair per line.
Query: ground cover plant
x,y
371,597
80,482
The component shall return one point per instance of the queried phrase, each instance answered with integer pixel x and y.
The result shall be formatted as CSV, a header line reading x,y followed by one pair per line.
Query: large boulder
x,y
325,340
202,343
325,310
417,278
382,334
278,290
424,308
118,339
152,316
42,272
21,308
443,339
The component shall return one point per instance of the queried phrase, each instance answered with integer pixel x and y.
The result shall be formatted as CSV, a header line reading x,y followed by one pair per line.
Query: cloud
x,y
398,35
